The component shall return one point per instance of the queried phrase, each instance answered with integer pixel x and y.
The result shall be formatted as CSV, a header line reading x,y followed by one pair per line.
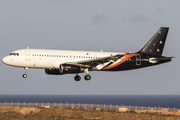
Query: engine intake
x,y
70,69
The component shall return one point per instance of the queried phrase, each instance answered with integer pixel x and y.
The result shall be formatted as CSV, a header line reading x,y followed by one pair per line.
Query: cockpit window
x,y
14,54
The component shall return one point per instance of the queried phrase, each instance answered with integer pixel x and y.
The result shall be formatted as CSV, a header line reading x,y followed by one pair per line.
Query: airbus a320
x,y
60,62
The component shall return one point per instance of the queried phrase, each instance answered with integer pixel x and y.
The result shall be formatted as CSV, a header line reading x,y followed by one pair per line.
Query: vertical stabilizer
x,y
156,44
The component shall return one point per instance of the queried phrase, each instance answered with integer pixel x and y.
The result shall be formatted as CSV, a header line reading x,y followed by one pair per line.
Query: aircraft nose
x,y
5,60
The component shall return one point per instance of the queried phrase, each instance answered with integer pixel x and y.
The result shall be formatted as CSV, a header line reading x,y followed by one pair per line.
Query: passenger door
x,y
27,55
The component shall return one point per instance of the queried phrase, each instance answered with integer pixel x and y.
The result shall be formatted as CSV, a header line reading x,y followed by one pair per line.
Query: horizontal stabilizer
x,y
155,60
166,58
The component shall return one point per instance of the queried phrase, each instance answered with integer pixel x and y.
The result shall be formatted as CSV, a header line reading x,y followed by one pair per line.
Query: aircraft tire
x,y
24,75
87,77
77,78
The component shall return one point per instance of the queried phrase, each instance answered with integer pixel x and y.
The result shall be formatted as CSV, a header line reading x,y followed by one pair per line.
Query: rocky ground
x,y
34,113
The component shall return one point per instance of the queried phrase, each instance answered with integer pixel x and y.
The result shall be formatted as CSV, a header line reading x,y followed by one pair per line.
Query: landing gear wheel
x,y
25,70
87,77
77,78
24,76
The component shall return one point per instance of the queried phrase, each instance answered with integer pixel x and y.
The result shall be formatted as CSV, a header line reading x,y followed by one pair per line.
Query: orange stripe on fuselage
x,y
122,61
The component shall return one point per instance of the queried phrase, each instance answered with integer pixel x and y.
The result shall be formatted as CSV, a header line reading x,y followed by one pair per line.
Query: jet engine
x,y
52,72
70,69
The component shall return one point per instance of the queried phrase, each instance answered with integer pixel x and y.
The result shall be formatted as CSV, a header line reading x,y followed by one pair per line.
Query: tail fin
x,y
156,44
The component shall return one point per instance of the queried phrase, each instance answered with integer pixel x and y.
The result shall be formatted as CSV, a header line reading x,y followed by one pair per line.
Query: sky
x,y
89,25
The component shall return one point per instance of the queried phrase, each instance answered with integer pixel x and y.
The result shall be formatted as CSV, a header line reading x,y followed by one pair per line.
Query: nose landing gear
x,y
25,70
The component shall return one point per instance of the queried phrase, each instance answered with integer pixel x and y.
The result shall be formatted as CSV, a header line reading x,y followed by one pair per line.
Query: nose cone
x,y
5,60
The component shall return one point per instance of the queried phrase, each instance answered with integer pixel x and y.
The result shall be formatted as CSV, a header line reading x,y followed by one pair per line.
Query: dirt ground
x,y
35,113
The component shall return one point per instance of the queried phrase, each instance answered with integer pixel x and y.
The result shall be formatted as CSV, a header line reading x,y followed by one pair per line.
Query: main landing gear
x,y
25,70
77,77
86,77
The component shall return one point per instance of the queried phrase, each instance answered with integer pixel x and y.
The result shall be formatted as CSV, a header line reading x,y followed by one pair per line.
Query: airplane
x,y
60,62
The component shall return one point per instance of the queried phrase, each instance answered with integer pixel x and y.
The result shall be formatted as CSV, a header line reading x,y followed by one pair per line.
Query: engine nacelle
x,y
52,72
70,69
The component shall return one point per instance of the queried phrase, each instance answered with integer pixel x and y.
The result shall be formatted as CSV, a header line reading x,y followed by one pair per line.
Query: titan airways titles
x,y
59,62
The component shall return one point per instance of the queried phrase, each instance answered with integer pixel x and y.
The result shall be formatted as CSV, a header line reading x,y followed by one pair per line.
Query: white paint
x,y
51,59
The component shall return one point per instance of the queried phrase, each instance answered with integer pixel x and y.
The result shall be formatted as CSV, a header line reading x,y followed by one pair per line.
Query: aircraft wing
x,y
94,62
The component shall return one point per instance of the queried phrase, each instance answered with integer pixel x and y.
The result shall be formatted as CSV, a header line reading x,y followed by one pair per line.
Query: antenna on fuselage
x,y
28,47
101,50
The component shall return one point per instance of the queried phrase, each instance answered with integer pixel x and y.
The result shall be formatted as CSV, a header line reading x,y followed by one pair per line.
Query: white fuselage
x,y
50,59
